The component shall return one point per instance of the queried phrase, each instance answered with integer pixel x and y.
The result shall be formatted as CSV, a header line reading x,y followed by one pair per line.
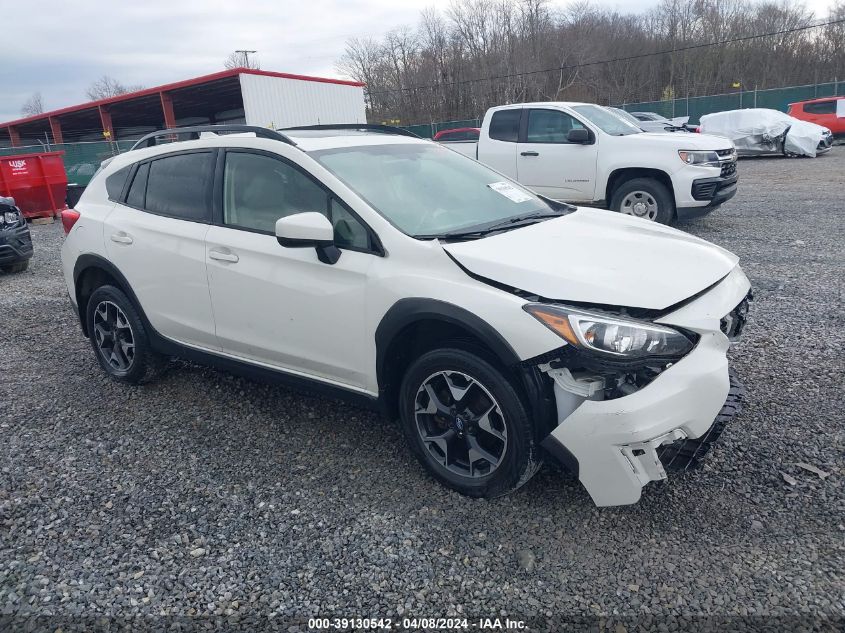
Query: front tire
x,y
645,198
119,338
466,424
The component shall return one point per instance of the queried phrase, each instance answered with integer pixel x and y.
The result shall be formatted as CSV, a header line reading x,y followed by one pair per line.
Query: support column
x,y
105,120
56,129
14,136
167,108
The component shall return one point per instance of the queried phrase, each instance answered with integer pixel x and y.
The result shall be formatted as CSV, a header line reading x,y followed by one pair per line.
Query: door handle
x,y
121,238
529,153
223,256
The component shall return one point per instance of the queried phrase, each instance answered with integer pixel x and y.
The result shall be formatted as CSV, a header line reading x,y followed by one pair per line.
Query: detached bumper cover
x,y
615,441
619,445
15,244
686,454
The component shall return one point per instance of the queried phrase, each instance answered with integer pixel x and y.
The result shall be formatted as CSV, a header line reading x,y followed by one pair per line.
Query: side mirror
x,y
310,229
578,135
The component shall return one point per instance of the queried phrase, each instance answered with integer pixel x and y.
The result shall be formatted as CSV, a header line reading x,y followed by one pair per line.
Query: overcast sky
x,y
58,48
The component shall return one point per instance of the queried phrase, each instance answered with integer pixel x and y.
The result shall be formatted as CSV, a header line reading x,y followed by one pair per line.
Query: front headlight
x,y
609,335
11,217
700,158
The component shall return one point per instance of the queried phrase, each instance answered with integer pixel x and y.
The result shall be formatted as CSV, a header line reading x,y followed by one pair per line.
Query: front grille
x,y
728,169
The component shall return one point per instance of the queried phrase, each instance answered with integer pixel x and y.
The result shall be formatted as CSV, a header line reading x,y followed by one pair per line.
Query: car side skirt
x,y
169,347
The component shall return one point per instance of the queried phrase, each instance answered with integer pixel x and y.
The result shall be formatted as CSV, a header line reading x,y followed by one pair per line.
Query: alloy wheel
x,y
640,204
113,336
461,424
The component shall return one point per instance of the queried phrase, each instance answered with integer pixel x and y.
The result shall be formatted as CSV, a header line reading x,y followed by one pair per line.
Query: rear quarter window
x,y
820,107
115,183
138,188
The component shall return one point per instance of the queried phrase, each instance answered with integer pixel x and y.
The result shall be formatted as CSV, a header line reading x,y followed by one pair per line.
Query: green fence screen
x,y
693,107
428,130
774,98
81,160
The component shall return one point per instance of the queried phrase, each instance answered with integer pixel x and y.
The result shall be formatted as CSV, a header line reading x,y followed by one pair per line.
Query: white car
x,y
760,131
499,327
584,153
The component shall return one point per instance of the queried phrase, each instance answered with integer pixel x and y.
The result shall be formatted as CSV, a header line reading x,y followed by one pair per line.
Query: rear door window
x,y
179,186
504,126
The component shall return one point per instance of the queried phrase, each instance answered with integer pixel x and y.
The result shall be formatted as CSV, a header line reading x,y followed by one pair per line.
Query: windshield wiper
x,y
514,222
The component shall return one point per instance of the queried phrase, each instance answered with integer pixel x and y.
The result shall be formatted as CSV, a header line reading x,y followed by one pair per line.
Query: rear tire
x,y
119,338
646,198
17,267
478,434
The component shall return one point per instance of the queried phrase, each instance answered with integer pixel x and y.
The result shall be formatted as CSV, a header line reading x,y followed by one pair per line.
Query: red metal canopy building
x,y
240,95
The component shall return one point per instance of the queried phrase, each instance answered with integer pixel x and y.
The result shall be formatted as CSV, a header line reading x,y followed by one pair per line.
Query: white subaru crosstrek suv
x,y
499,327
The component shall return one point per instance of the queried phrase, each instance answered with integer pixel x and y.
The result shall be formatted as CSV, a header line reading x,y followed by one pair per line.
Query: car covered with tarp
x,y
756,131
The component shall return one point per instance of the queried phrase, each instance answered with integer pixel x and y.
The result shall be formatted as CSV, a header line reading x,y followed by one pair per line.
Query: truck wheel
x,y
466,424
18,267
119,339
644,198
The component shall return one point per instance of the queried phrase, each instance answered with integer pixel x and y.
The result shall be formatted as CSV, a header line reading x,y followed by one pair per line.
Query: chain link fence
x,y
773,98
81,160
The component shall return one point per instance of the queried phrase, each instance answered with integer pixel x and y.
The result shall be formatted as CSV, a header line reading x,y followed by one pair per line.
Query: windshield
x,y
426,190
626,116
607,121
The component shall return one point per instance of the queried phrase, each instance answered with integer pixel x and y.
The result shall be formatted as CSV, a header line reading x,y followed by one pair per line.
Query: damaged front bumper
x,y
618,445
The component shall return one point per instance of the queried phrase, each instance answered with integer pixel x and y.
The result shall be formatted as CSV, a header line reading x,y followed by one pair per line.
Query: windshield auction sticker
x,y
509,191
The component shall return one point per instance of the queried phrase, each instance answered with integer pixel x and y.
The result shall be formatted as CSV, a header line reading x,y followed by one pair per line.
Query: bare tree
x,y
32,106
107,86
479,53
241,59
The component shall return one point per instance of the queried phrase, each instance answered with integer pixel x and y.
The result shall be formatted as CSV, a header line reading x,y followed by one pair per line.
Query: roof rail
x,y
369,127
150,139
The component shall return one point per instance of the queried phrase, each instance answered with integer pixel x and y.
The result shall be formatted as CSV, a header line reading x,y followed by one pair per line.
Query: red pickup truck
x,y
827,111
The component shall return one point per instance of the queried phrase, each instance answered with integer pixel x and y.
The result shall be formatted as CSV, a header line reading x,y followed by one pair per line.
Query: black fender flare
x,y
90,261
405,312
408,311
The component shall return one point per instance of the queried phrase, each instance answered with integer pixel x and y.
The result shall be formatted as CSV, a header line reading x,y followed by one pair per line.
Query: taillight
x,y
69,218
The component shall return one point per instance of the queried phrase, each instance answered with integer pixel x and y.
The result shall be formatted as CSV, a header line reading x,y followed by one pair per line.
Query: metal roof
x,y
156,90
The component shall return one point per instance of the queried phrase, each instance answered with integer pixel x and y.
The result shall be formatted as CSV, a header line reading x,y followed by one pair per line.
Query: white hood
x,y
602,257
678,141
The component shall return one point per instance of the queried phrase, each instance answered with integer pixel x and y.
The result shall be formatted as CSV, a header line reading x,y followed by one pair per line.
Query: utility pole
x,y
246,55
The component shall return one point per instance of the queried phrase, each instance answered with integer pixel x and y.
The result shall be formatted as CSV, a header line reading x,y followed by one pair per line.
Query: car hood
x,y
688,141
593,256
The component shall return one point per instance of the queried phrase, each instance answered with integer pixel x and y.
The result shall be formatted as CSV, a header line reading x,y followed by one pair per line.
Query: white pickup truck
x,y
583,153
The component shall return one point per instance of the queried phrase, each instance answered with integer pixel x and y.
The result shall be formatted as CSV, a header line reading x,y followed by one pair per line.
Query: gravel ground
x,y
205,494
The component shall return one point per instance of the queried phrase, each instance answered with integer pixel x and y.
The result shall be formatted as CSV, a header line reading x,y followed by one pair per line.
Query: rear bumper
x,y
712,191
15,245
